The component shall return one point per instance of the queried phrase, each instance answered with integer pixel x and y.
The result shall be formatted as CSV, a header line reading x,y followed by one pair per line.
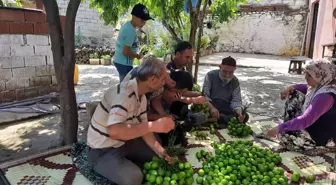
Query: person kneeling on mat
x,y
120,137
175,104
222,90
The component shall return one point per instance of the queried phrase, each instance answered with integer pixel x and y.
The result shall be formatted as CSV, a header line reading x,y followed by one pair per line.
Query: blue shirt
x,y
127,37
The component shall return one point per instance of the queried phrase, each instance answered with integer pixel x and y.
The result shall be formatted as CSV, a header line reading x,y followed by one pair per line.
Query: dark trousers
x,y
226,113
180,110
121,165
123,70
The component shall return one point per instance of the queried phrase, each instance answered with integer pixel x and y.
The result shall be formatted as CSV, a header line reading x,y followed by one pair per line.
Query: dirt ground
x,y
260,85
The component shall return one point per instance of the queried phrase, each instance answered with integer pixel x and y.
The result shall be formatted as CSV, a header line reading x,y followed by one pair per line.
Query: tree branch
x,y
194,19
56,35
180,20
165,23
202,15
190,10
177,20
196,15
171,30
198,7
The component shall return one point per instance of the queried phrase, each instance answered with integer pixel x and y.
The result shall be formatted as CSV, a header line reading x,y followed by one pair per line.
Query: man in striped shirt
x,y
169,83
222,91
120,137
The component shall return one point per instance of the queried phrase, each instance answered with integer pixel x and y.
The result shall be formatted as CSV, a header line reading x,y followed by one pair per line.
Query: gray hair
x,y
150,66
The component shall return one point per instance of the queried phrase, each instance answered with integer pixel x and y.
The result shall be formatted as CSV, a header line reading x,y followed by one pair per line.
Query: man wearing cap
x,y
222,91
126,47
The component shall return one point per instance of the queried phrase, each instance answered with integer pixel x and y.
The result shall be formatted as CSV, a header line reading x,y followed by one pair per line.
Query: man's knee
x,y
126,173
224,120
129,176
133,177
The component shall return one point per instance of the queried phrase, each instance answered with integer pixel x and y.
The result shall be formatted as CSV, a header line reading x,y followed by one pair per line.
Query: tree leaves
x,y
223,10
17,3
111,10
170,11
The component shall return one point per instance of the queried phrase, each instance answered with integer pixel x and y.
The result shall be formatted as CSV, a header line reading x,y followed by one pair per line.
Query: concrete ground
x,y
262,78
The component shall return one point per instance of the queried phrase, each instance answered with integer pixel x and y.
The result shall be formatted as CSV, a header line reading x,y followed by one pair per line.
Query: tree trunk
x,y
192,38
194,26
64,62
200,33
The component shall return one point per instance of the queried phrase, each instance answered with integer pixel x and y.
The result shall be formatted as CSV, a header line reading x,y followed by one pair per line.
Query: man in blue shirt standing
x,y
127,42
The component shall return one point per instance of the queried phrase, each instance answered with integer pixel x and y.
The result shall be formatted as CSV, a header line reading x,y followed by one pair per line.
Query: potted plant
x,y
94,59
106,60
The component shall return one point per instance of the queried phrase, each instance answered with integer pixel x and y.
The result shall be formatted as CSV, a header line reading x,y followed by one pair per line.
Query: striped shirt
x,y
120,105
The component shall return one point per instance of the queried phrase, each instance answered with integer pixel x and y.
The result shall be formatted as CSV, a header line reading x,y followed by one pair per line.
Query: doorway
x,y
313,30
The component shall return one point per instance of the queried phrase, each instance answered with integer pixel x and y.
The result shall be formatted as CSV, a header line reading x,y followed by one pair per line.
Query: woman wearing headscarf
x,y
314,130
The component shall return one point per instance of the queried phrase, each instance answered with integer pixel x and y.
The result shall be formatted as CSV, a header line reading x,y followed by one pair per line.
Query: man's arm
x,y
157,105
124,132
127,37
118,129
191,94
207,93
153,143
211,106
127,51
190,100
207,89
236,102
153,116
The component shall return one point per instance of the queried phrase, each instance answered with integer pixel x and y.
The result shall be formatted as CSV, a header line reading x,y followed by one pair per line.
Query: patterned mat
x,y
56,168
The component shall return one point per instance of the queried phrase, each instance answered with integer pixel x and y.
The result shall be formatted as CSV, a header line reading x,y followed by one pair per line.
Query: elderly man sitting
x,y
222,90
120,137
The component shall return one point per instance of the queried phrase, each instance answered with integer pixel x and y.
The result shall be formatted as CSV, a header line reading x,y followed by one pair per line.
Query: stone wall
x,y
270,27
90,29
292,4
26,65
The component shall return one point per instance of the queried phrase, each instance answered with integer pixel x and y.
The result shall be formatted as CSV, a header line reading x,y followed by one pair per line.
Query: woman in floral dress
x,y
310,120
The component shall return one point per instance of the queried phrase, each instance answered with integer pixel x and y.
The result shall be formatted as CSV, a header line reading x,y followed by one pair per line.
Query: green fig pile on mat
x,y
159,171
238,129
242,163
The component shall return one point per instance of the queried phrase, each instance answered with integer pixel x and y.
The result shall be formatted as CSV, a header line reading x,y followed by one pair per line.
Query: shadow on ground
x,y
260,87
35,135
94,81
